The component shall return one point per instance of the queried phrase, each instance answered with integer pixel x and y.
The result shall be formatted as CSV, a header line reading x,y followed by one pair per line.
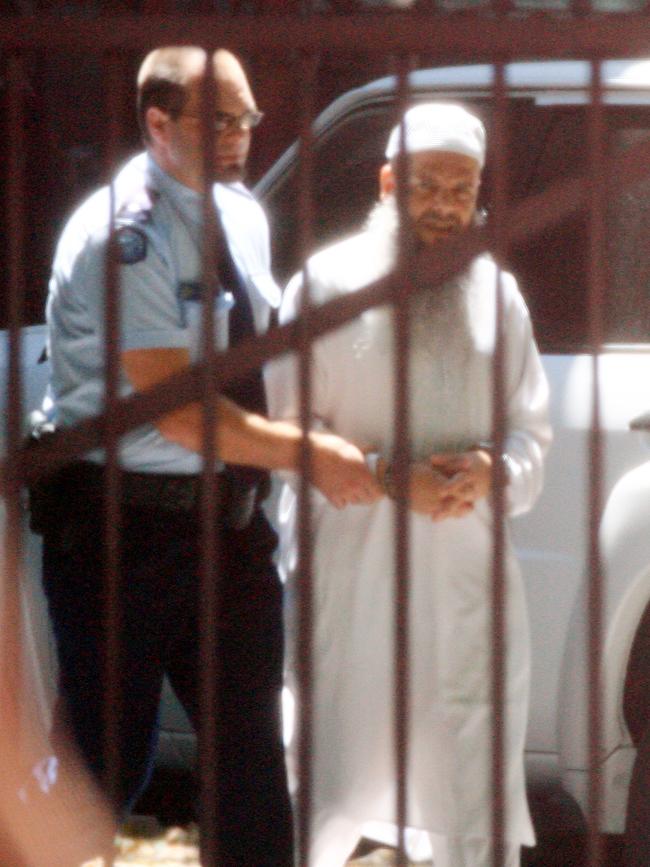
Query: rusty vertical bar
x,y
11,656
597,243
401,459
112,517
304,589
210,541
498,625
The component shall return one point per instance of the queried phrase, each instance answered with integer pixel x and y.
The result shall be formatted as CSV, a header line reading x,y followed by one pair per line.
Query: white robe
x,y
449,790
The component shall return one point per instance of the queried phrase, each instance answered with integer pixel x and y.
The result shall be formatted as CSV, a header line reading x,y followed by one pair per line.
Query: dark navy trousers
x,y
160,621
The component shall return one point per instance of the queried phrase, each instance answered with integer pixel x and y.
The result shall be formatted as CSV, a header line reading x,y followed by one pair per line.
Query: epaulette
x,y
137,207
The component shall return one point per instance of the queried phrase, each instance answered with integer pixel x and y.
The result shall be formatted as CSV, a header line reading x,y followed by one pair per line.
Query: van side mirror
x,y
642,424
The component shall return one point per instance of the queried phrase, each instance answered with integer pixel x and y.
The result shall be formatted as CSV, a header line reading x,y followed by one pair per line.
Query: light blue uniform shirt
x,y
159,235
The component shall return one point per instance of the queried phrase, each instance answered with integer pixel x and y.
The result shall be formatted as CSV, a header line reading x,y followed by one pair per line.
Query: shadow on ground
x,y
562,832
559,824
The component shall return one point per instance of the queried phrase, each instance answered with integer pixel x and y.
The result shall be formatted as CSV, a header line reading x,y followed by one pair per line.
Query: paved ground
x,y
151,846
561,834
148,845
145,844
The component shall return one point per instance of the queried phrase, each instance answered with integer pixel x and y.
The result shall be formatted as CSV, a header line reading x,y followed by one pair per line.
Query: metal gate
x,y
302,39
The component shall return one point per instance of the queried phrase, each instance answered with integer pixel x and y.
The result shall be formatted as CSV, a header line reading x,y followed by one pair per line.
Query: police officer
x,y
158,200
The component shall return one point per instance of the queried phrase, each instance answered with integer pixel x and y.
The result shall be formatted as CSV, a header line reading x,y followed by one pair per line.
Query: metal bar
x,y
527,217
499,599
531,215
210,540
401,458
11,651
112,520
304,587
470,35
597,244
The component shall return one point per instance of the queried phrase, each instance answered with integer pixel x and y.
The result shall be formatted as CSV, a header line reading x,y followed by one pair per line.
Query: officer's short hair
x,y
163,78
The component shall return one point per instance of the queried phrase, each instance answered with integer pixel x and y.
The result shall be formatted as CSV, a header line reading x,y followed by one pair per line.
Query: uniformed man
x,y
158,200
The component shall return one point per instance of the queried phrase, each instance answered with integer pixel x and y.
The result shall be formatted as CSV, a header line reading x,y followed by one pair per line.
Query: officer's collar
x,y
187,200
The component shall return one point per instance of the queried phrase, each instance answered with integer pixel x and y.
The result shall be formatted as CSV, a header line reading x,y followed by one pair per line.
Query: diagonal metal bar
x,y
527,218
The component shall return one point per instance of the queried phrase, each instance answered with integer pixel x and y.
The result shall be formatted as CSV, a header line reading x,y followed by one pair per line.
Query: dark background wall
x,y
67,123
66,102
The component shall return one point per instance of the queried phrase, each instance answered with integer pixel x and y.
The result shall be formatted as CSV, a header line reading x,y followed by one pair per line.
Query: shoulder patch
x,y
131,245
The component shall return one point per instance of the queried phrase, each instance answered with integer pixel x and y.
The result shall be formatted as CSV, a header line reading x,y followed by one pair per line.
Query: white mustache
x,y
434,222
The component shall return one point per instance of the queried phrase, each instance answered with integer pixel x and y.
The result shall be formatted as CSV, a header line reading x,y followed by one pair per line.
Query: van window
x,y
549,145
344,186
554,266
627,304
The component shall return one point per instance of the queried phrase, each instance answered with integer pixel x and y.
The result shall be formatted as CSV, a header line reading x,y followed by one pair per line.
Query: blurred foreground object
x,y
50,812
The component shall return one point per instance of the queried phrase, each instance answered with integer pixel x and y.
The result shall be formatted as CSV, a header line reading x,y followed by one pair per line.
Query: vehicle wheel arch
x,y
625,550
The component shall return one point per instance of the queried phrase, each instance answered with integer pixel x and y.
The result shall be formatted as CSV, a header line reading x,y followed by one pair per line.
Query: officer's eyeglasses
x,y
223,120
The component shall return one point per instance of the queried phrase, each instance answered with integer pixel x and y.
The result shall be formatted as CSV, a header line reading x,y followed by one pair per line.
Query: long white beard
x,y
440,315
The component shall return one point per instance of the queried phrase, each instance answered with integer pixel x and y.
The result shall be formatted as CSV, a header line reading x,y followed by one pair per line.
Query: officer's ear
x,y
157,122
387,181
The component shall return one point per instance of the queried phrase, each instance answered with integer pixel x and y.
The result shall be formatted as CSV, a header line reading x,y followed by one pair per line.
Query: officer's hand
x,y
340,471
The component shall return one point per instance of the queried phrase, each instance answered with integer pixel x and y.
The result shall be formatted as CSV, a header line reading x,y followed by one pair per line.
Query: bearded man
x,y
450,534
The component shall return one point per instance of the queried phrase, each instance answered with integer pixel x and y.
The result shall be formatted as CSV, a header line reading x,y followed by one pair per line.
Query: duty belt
x,y
171,493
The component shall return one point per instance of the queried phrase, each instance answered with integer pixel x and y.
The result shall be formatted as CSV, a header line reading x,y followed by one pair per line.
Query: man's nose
x,y
442,200
442,207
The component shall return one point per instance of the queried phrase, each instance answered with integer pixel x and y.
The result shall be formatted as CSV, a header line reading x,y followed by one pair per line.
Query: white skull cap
x,y
439,126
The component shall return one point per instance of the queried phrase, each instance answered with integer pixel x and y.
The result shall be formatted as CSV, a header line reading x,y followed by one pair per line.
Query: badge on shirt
x,y
131,245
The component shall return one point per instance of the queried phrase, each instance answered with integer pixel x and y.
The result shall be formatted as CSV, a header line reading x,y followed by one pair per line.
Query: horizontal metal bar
x,y
477,35
185,386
